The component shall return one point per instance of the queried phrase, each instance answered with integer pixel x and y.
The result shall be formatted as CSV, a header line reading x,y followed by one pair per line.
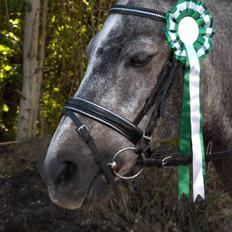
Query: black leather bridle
x,y
155,104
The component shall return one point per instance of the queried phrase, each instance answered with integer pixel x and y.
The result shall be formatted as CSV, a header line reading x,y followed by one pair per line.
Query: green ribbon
x,y
185,138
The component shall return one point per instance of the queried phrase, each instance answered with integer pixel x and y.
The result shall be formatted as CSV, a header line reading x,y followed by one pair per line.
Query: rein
x,y
155,104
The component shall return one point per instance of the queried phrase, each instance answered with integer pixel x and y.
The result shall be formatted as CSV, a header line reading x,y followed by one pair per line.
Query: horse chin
x,y
97,193
65,202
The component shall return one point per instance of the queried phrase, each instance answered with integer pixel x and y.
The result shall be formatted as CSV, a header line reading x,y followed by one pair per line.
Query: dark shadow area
x,y
149,203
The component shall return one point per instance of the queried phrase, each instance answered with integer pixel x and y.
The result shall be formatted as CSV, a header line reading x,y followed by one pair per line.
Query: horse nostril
x,y
66,173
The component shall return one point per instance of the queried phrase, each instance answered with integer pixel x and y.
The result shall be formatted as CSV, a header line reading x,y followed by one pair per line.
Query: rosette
x,y
189,31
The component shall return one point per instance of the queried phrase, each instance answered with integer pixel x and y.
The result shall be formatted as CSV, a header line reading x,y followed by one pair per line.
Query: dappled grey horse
x,y
125,60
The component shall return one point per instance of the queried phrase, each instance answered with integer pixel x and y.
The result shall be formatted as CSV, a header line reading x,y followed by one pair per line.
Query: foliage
x,y
70,30
71,25
10,64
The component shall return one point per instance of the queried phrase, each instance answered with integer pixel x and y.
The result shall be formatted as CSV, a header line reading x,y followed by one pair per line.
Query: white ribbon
x,y
195,115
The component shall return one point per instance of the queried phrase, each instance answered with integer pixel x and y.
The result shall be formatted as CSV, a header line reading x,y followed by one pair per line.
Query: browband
x,y
138,11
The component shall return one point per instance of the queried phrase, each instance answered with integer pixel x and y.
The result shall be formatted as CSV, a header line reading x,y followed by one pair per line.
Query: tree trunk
x,y
42,59
32,71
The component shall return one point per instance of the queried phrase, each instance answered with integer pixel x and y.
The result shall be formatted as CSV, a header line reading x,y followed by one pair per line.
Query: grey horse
x,y
125,60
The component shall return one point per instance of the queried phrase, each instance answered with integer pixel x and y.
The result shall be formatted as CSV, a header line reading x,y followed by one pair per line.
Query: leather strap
x,y
138,11
160,103
84,133
152,98
106,117
156,100
176,160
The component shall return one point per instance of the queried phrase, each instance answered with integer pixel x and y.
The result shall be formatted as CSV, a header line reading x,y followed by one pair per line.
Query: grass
x,y
151,204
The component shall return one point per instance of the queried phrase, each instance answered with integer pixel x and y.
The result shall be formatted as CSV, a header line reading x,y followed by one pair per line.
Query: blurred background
x,y
42,60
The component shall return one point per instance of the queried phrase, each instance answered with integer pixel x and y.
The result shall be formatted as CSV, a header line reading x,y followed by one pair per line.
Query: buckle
x,y
83,128
166,161
146,137
84,132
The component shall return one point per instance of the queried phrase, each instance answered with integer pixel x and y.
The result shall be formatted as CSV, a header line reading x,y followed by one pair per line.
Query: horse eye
x,y
139,60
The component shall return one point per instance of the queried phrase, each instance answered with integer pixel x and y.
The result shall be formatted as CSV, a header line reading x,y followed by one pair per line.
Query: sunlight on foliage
x,y
5,108
5,50
86,2
11,28
56,89
71,25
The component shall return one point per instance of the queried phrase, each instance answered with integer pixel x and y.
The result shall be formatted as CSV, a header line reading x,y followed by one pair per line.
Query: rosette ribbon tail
x,y
185,140
193,79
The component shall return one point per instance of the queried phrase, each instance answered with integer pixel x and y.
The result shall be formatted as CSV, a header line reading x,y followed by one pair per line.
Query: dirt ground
x,y
24,201
149,203
25,206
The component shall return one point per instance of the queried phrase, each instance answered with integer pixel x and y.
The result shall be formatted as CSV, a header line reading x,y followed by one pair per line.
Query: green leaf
x,y
53,19
5,108
56,89
86,2
7,68
4,50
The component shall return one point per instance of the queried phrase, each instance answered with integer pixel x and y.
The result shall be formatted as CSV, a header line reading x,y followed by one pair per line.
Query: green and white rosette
x,y
189,33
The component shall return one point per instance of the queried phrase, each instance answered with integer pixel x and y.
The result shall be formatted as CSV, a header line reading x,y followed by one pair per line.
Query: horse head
x,y
126,59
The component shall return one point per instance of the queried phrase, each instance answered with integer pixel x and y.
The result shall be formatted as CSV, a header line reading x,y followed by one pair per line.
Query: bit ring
x,y
114,161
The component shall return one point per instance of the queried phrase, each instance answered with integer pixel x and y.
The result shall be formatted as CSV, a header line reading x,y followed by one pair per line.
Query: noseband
x,y
155,104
